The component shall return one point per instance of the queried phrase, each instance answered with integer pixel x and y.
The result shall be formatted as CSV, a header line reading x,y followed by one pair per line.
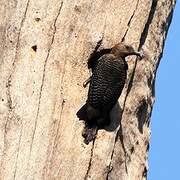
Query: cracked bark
x,y
44,69
44,49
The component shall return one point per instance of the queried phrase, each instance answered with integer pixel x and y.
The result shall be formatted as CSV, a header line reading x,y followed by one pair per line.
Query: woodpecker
x,y
109,73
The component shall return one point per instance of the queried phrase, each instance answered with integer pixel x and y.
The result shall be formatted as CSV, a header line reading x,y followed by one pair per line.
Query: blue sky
x,y
164,155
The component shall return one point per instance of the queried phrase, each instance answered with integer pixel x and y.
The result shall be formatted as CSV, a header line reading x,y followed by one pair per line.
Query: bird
x,y
109,73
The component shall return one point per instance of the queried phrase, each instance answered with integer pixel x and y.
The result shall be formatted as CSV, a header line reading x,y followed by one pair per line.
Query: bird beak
x,y
137,53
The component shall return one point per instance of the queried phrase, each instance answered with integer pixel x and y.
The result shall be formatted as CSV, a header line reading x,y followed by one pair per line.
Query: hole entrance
x,y
34,48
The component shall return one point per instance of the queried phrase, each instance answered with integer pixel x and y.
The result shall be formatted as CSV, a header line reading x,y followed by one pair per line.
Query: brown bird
x,y
106,84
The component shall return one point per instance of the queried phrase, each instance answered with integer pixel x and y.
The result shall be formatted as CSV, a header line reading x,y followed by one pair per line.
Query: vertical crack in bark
x,y
55,139
110,163
149,21
60,117
129,23
90,161
8,86
16,163
120,132
142,41
43,78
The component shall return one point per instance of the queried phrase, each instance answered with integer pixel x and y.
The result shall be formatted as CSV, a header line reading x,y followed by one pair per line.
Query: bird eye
x,y
127,47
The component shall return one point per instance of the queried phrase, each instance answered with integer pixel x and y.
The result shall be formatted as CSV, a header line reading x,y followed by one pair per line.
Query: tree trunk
x,y
44,50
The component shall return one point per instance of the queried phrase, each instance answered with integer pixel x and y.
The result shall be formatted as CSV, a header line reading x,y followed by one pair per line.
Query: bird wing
x,y
107,82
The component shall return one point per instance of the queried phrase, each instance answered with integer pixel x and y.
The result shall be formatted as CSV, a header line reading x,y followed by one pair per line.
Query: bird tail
x,y
82,112
88,113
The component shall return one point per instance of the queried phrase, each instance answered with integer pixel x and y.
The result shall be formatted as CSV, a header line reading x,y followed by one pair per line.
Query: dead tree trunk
x,y
44,49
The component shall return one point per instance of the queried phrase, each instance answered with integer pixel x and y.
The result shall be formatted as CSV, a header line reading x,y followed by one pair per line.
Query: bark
x,y
44,50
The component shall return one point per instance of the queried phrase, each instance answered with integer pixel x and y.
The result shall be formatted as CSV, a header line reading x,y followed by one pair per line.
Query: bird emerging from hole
x,y
109,73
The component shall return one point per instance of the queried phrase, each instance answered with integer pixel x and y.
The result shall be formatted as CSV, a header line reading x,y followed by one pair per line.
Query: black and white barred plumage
x,y
107,82
108,78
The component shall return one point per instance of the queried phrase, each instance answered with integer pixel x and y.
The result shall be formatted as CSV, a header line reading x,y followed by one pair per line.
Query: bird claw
x,y
85,83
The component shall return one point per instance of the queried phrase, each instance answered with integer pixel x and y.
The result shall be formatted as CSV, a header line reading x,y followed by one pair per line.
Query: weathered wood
x,y
44,50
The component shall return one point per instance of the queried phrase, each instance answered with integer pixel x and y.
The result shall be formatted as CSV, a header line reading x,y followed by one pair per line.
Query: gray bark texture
x,y
44,47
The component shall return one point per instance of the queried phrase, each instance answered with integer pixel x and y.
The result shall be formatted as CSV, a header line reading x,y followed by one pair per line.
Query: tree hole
x,y
34,48
37,19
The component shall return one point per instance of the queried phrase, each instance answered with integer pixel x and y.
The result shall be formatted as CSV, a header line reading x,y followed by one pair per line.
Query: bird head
x,y
123,50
